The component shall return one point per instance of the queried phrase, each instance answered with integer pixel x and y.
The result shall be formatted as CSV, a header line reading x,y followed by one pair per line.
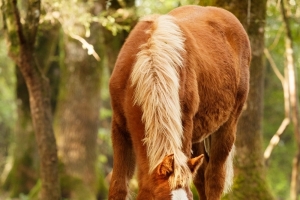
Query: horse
x,y
177,90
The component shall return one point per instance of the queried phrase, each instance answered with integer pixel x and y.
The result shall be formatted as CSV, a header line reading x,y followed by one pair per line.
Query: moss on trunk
x,y
22,52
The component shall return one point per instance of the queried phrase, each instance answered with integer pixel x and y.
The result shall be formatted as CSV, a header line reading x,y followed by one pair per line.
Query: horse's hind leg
x,y
219,169
124,162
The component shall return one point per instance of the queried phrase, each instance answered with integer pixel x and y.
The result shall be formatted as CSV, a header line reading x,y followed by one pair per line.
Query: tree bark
x,y
23,174
250,181
22,38
77,114
38,88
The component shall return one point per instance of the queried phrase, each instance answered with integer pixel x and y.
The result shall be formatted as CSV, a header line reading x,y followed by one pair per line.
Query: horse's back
x,y
214,36
213,30
197,17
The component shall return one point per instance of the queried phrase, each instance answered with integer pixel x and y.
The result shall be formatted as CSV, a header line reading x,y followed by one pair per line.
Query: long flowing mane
x,y
155,76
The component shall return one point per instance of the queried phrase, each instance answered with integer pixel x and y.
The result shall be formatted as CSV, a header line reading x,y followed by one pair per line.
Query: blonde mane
x,y
155,76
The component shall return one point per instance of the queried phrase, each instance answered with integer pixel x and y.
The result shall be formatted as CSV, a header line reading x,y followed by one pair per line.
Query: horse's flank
x,y
155,76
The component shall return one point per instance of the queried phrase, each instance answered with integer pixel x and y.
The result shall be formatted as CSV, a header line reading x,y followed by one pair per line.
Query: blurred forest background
x,y
57,56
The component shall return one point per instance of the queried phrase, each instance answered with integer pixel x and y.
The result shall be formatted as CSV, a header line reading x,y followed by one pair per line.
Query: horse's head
x,y
162,174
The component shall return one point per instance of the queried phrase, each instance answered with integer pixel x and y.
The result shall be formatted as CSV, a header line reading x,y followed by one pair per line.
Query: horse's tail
x,y
156,77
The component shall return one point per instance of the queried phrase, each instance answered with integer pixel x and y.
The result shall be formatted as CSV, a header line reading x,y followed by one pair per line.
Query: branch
x,y
276,138
277,38
273,65
249,13
18,22
286,20
32,20
86,45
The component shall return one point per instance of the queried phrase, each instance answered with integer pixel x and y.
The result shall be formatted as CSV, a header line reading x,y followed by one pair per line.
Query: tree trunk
x,y
250,181
77,115
38,88
22,39
24,171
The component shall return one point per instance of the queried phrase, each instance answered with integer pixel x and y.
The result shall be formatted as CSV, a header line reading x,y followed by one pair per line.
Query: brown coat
x,y
180,79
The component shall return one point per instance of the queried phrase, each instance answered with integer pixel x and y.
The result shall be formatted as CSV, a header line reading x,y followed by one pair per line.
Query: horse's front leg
x,y
124,162
219,171
199,179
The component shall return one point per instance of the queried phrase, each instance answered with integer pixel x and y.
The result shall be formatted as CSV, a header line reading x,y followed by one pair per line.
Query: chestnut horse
x,y
177,91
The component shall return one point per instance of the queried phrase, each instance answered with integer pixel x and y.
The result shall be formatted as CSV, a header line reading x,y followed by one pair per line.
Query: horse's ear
x,y
166,167
195,163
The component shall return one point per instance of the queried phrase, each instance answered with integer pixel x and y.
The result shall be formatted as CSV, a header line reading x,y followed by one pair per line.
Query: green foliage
x,y
118,21
194,191
280,165
105,153
35,190
104,164
70,16
7,102
7,86
9,22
